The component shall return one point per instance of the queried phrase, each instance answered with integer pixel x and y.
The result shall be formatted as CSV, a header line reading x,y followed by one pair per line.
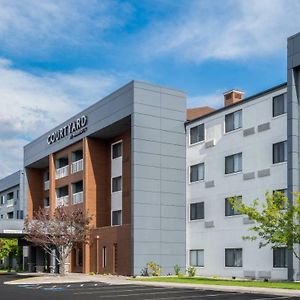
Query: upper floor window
x,y
117,150
197,211
197,134
280,257
233,121
2,200
116,217
233,163
234,257
197,258
279,152
197,172
279,105
229,209
117,184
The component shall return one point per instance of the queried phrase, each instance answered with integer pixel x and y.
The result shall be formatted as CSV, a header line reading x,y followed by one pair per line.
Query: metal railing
x,y
62,201
10,203
77,198
46,185
77,166
62,172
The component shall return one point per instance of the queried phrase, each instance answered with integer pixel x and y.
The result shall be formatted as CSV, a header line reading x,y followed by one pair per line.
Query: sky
x,y
59,56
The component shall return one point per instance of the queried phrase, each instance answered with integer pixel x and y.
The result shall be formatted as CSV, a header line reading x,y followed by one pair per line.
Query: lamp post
x,y
97,252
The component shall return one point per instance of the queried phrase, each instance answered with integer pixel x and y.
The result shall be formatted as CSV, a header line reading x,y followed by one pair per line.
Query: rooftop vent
x,y
232,97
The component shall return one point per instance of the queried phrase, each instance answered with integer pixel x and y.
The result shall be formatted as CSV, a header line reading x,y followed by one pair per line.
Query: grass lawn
x,y
229,282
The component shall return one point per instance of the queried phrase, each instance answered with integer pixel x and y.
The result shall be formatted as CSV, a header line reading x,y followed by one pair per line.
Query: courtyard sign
x,y
72,130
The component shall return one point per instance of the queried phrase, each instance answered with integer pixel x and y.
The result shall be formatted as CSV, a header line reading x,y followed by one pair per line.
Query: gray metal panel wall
x,y
158,186
293,90
105,112
10,181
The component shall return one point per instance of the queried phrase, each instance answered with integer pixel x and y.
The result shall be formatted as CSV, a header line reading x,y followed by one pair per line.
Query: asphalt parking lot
x,y
92,290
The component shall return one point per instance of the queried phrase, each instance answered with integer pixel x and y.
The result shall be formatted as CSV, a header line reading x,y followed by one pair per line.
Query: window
x,y
116,217
104,257
233,121
197,211
117,150
229,209
234,257
117,184
46,202
279,152
197,134
197,172
115,255
10,215
197,258
279,105
280,257
233,163
21,214
2,200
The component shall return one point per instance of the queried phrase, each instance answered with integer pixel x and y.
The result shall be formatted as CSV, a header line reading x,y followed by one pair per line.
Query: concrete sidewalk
x,y
121,280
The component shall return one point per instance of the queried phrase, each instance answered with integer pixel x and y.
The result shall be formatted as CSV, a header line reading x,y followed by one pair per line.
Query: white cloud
x,y
213,100
37,25
229,30
31,104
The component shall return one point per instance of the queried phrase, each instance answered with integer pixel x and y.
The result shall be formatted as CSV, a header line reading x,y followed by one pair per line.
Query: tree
x,y
8,247
276,221
60,231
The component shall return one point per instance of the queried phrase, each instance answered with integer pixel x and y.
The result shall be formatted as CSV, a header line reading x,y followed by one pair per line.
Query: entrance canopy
x,y
11,228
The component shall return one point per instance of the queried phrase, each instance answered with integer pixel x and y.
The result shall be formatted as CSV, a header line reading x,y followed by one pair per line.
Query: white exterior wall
x,y
257,148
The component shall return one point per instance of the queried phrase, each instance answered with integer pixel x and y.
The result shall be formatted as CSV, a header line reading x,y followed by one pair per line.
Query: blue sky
x,y
57,57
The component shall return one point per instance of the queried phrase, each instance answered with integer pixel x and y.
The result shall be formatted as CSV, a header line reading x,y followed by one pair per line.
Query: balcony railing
x,y
10,203
46,185
62,201
77,198
62,172
77,166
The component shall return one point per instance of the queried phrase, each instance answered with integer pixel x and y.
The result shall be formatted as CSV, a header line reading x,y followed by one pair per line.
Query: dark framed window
x,y
197,258
2,200
197,134
104,257
233,121
46,202
279,105
197,211
197,172
229,209
116,217
117,184
117,150
233,163
280,257
279,152
234,257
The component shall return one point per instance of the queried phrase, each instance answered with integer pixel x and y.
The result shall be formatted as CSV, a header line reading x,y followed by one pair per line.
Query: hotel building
x,y
123,160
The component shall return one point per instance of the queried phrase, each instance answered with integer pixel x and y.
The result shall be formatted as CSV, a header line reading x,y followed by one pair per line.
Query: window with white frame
x,y
116,150
234,257
233,163
117,184
229,209
116,217
279,105
197,258
197,172
279,152
197,134
233,121
280,257
196,211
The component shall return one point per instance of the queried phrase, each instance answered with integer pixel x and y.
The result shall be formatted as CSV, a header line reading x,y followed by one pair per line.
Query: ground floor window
x,y
104,257
280,257
115,255
234,257
197,258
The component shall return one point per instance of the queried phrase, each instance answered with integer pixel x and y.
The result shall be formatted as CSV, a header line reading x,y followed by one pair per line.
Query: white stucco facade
x,y
255,139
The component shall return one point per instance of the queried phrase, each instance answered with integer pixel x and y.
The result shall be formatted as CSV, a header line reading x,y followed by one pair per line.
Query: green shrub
x,y
154,268
191,271
177,269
